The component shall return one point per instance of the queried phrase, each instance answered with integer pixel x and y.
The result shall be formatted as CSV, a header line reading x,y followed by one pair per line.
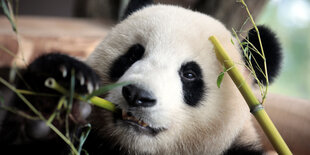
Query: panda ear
x,y
135,5
272,51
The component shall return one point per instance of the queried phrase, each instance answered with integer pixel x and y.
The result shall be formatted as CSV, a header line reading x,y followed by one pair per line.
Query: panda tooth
x,y
144,124
124,114
135,119
130,118
127,117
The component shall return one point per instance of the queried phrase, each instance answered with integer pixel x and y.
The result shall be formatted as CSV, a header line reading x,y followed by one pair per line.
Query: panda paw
x,y
61,67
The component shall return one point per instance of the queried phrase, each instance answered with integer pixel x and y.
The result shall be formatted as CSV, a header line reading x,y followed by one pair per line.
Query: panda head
x,y
173,104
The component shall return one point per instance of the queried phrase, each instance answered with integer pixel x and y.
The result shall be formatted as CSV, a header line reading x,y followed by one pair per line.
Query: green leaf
x,y
250,56
85,132
12,74
85,152
220,79
246,50
5,8
10,17
231,40
244,43
105,89
221,76
71,92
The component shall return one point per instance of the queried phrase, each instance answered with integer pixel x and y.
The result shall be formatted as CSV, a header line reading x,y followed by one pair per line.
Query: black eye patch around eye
x,y
193,88
122,63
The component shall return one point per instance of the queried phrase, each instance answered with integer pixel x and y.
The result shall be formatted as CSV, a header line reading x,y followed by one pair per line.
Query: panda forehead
x,y
171,19
169,29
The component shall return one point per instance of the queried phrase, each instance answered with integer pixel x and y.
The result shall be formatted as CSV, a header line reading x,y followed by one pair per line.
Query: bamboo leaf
x,y
221,76
7,51
250,56
85,152
72,87
231,40
61,102
97,101
244,23
18,112
5,8
105,89
10,16
12,74
220,79
85,132
243,43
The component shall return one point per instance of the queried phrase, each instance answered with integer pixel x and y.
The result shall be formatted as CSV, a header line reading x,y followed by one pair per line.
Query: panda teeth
x,y
128,117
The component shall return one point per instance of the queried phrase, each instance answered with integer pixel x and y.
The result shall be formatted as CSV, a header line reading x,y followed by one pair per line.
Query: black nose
x,y
137,97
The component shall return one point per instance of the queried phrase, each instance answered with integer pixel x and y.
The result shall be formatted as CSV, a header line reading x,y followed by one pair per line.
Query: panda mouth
x,y
129,120
127,116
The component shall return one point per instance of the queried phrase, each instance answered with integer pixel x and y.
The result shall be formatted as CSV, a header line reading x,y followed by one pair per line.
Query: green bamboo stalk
x,y
27,92
256,108
40,116
97,101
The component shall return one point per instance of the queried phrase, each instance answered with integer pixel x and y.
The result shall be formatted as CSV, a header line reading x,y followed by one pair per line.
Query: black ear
x,y
272,51
135,5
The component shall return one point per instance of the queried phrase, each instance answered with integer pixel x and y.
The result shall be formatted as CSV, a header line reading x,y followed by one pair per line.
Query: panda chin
x,y
127,120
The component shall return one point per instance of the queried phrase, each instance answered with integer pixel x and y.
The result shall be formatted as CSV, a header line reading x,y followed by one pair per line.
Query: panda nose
x,y
137,97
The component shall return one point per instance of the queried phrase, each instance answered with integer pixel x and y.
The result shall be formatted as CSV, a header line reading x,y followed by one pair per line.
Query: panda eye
x,y
189,75
192,82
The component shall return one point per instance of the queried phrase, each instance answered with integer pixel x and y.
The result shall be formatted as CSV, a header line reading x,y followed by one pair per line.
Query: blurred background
x,y
290,19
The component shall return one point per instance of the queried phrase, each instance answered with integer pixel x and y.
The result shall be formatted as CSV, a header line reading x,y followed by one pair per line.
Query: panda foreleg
x,y
19,134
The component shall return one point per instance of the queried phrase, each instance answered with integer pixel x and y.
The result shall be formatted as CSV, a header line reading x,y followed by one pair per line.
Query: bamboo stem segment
x,y
97,101
260,113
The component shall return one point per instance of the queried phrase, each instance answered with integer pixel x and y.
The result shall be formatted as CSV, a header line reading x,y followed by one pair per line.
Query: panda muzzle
x,y
127,116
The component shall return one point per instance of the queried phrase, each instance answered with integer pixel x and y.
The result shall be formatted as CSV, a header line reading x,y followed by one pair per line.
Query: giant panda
x,y
172,104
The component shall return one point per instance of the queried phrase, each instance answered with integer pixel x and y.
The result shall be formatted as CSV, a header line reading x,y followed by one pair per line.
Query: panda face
x,y
172,102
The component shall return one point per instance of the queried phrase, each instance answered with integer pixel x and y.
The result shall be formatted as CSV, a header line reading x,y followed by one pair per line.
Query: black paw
x,y
60,67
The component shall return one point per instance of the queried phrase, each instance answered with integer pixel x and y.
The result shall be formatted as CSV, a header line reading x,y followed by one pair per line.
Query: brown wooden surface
x,y
40,35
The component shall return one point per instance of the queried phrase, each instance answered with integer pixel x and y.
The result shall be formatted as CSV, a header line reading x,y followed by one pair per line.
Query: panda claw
x,y
90,87
63,70
81,78
97,86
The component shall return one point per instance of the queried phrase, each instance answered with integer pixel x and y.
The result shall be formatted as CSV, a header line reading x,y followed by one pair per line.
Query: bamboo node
x,y
256,108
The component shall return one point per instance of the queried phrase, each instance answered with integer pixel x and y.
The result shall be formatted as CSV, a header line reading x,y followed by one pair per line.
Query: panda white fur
x,y
170,57
173,104
172,37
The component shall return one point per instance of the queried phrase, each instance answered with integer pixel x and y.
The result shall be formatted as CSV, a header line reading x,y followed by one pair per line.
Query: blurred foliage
x,y
290,19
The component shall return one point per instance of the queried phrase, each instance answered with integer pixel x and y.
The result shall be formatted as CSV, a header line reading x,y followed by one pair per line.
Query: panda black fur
x,y
164,52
